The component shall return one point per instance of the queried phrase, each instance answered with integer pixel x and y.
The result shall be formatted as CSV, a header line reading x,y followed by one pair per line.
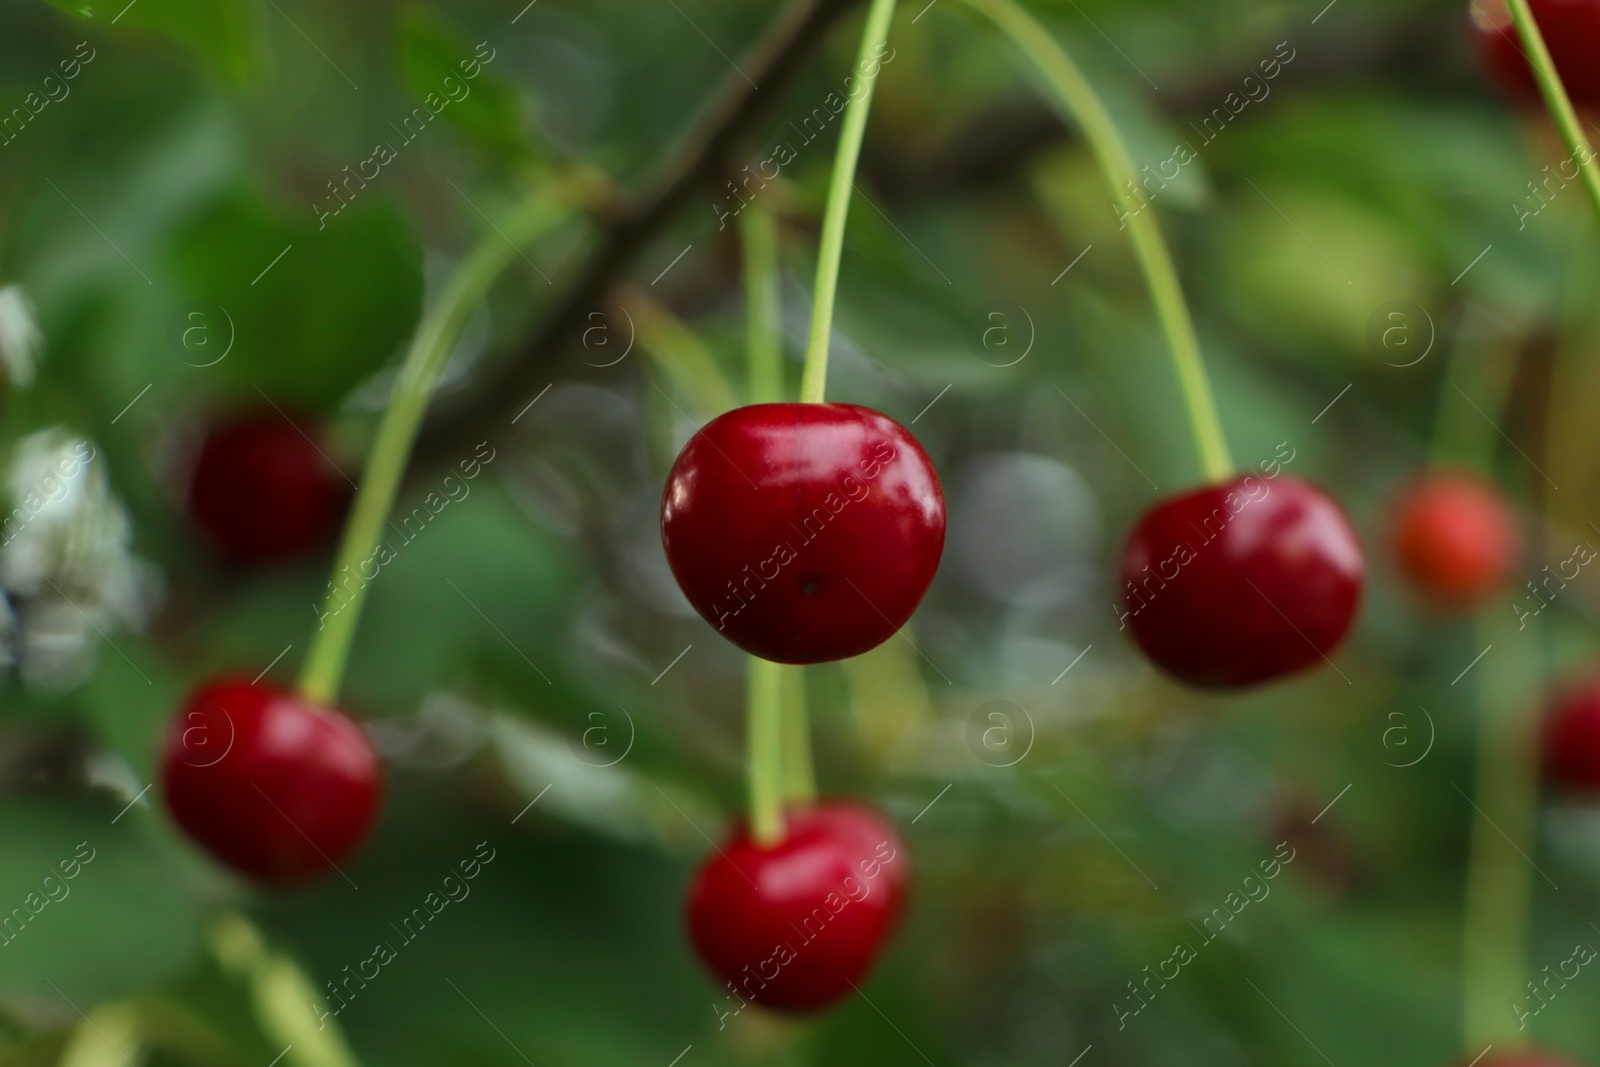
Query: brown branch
x,y
701,157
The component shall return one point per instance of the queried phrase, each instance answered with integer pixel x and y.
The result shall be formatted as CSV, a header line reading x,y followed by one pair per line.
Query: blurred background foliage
x,y
520,643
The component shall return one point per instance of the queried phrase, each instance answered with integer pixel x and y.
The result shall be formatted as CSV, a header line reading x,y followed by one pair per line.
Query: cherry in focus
x,y
1241,582
791,927
1572,738
268,784
262,490
1571,30
804,532
1455,538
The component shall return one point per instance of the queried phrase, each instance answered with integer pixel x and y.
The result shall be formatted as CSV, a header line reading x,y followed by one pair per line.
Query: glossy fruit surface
x,y
1572,737
792,926
262,490
1571,30
1455,538
267,784
804,532
1241,582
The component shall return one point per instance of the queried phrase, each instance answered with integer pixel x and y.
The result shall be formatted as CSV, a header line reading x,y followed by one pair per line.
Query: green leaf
x,y
222,33
441,64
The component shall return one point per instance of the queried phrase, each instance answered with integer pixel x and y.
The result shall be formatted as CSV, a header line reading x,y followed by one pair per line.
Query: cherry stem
x,y
1556,98
765,739
1499,879
436,335
758,238
1080,104
814,381
799,776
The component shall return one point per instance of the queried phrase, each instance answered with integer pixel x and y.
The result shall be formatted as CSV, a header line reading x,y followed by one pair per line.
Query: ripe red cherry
x,y
1571,30
1242,582
269,784
262,491
1455,538
804,532
1572,737
790,927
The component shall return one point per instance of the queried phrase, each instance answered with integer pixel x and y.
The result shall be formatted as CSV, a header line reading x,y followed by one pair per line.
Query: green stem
x,y
397,430
1080,104
814,381
1556,98
799,777
765,738
758,234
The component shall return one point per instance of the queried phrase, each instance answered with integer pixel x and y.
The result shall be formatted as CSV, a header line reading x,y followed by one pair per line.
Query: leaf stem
x,y
1080,104
814,380
758,236
1556,98
397,430
765,739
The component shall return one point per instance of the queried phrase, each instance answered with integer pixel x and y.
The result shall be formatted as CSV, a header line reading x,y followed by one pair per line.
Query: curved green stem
x,y
1556,98
1080,104
391,447
765,740
814,382
758,236
799,775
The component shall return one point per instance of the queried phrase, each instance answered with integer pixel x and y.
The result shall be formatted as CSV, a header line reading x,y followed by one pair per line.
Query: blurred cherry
x,y
1571,30
1572,737
791,927
1241,582
804,532
1455,538
268,784
262,490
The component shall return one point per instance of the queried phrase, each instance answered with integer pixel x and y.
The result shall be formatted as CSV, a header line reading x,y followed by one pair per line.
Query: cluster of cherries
x,y
808,533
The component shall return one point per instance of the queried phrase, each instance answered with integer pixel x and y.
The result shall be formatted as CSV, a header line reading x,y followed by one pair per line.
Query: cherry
x,y
1571,30
1241,582
1455,538
267,783
1572,737
792,926
804,532
262,491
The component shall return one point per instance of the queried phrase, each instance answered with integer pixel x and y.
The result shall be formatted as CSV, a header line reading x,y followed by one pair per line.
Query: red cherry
x,y
1455,538
269,784
790,927
804,532
1572,737
1571,30
262,491
1242,582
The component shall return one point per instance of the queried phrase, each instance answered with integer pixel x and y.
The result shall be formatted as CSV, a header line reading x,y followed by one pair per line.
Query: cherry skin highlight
x,y
790,927
1571,30
1243,582
1455,538
1572,738
804,532
267,784
262,491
